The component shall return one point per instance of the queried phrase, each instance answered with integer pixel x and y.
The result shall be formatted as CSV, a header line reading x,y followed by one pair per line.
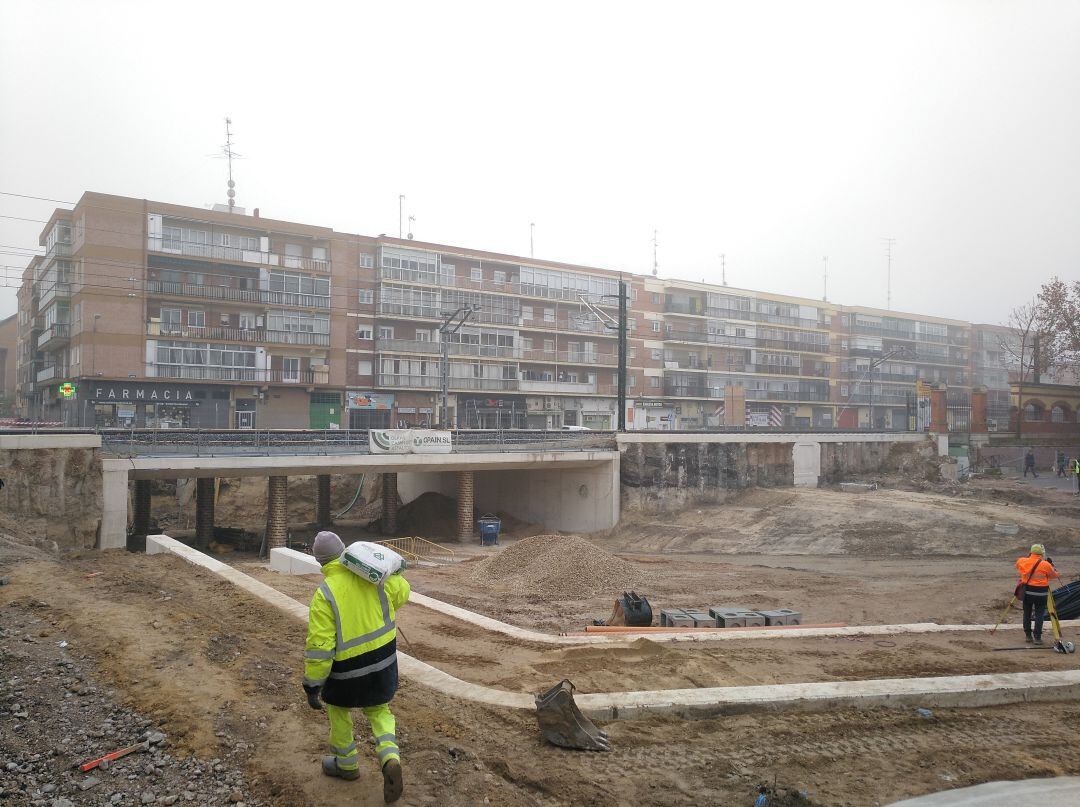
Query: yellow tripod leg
x,y
1003,613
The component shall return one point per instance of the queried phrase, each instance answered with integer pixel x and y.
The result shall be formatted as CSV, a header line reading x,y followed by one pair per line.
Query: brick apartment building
x,y
145,313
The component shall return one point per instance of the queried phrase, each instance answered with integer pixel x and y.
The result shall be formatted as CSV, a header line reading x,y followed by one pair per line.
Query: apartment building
x,y
142,313
9,351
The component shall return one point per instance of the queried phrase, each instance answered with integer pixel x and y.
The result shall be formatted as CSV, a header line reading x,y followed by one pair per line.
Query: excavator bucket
x,y
563,724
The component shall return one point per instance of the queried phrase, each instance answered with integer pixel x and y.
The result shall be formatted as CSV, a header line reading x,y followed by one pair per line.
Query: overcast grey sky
x,y
775,133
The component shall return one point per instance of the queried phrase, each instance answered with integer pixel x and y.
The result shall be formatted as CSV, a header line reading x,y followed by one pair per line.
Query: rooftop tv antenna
x,y
412,221
229,155
723,268
655,266
888,277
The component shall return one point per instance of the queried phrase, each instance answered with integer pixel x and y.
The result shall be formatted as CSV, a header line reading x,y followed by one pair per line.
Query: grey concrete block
x,y
727,616
676,618
782,616
858,487
702,619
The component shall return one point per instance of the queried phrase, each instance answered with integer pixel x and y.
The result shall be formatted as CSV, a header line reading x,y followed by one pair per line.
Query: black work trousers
x,y
1034,607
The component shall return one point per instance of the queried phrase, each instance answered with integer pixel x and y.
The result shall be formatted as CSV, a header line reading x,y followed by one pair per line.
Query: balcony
x,y
255,335
254,296
571,357
757,316
695,308
247,374
512,286
865,374
692,391
61,249
455,349
51,371
421,311
394,380
57,291
192,249
774,369
785,395
54,335
559,387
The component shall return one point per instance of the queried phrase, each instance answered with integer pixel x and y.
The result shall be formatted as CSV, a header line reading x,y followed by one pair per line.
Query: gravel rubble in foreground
x,y
54,716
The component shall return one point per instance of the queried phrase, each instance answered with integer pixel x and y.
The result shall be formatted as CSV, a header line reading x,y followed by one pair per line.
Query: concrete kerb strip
x,y
289,561
951,691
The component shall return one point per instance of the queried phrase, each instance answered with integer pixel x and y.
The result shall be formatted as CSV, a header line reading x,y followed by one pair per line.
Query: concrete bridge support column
x,y
389,502
136,541
204,512
277,511
322,502
465,499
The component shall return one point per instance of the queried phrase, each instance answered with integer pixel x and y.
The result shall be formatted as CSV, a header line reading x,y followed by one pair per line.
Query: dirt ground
x,y
213,666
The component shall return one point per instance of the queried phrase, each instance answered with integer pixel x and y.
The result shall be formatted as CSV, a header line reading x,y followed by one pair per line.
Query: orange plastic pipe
x,y
625,629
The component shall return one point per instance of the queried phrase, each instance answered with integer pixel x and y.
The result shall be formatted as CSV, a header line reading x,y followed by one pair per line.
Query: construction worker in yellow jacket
x,y
350,661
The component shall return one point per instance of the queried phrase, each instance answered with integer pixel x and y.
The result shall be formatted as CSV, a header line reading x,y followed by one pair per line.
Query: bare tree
x,y
1059,310
1030,345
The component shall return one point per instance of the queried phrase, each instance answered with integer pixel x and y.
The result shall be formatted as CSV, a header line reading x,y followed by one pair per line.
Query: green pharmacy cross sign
x,y
67,390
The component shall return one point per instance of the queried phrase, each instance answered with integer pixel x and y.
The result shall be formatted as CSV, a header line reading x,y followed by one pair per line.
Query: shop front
x,y
415,410
491,411
369,410
596,414
654,415
147,405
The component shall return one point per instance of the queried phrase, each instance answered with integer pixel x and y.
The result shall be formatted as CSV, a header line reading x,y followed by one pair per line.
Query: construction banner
x,y
409,441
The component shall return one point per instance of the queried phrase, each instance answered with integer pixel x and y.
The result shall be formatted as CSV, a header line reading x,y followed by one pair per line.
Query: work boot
x,y
1028,640
1037,640
392,784
330,768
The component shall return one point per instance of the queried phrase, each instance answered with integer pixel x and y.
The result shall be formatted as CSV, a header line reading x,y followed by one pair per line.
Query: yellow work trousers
x,y
343,744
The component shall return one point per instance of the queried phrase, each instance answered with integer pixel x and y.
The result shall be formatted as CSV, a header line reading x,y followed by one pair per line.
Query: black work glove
x,y
313,697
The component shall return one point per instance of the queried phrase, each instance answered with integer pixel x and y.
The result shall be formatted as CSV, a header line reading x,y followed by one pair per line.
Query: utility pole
x,y
622,356
401,215
451,324
888,277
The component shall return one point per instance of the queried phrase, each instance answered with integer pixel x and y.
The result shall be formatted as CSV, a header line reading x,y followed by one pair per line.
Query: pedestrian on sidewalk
x,y
350,661
1060,463
1036,571
1029,464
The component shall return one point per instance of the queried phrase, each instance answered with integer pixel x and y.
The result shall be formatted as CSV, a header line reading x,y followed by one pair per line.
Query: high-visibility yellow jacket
x,y
351,649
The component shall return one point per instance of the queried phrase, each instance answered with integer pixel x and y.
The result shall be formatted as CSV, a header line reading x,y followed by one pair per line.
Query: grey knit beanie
x,y
327,547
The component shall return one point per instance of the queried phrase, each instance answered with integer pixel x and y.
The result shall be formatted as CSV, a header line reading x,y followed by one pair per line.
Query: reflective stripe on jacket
x,y
349,617
1042,576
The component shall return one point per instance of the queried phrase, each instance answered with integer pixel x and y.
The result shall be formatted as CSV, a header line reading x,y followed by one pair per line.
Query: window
x,y
367,261
500,276
631,381
295,250
549,345
170,320
196,319
386,332
364,368
510,371
298,322
172,237
365,296
363,332
423,336
318,253
656,326
476,274
655,298
526,312
526,343
290,369
654,381
549,315
657,354
740,331
843,390
247,322
73,355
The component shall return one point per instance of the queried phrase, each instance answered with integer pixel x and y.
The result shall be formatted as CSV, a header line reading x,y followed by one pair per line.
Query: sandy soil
x,y
201,656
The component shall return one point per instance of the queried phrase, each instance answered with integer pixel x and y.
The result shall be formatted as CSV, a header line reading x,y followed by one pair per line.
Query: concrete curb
x,y
951,691
289,561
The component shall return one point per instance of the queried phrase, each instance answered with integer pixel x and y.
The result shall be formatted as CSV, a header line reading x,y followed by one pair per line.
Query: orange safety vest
x,y
1043,575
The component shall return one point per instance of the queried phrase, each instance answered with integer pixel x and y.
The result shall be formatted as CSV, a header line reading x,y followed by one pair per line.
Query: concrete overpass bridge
x,y
568,481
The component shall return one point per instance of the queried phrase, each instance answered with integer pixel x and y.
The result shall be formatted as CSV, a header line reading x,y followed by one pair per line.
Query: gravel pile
x,y
53,717
565,566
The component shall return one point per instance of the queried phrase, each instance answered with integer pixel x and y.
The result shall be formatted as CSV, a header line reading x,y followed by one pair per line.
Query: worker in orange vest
x,y
1036,571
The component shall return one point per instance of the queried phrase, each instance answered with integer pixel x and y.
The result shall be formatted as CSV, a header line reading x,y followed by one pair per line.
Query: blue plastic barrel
x,y
489,530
